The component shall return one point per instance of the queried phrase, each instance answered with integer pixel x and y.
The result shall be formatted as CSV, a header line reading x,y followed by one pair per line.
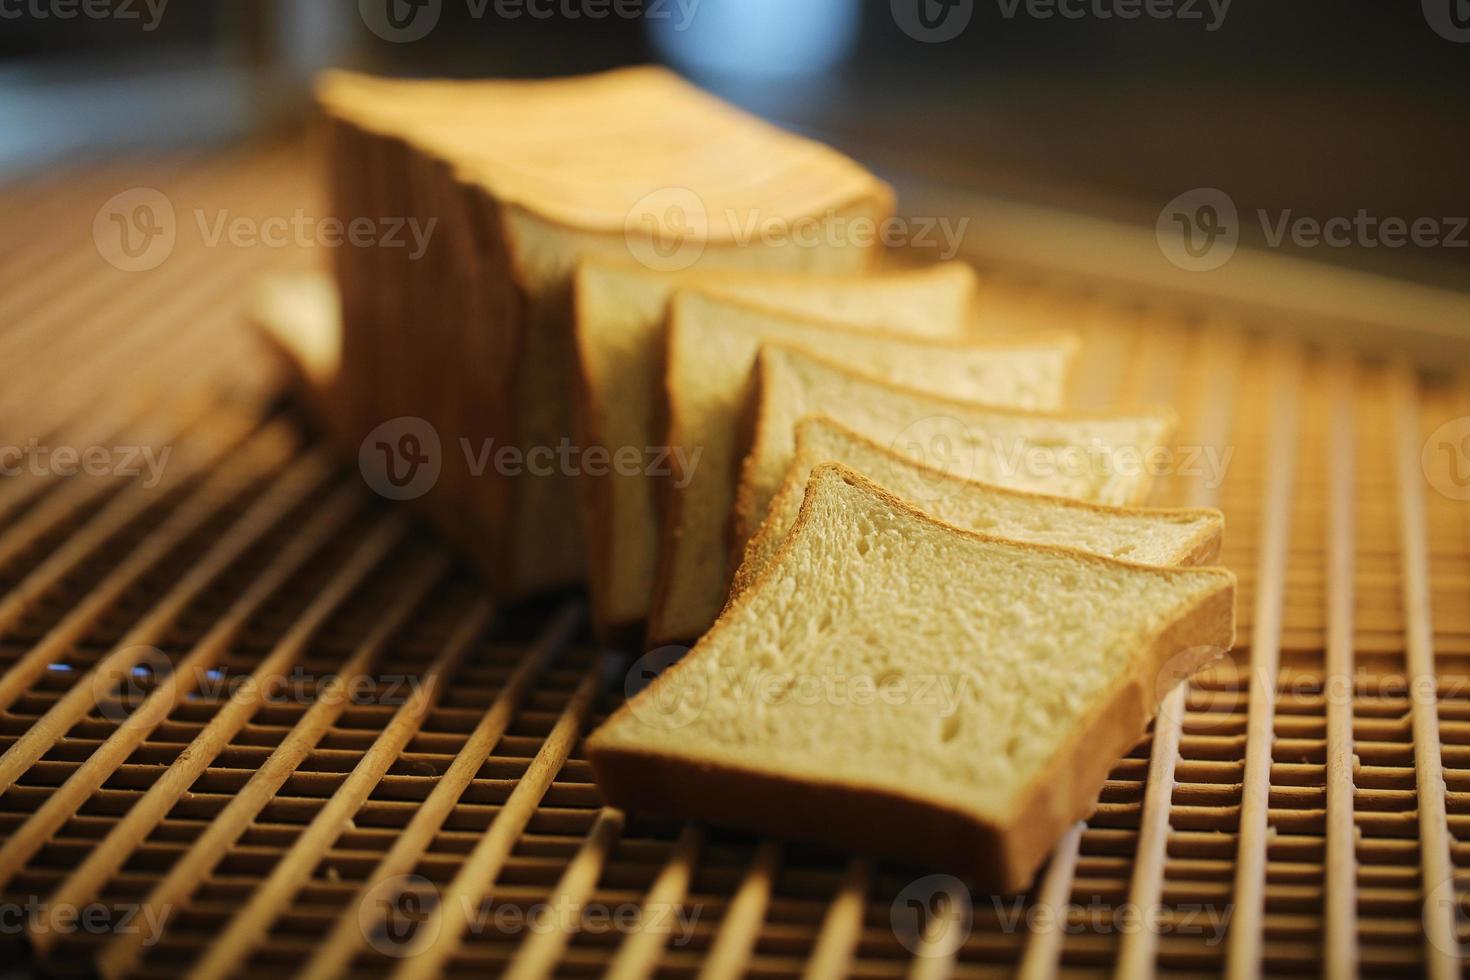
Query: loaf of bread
x,y
621,342
479,198
898,686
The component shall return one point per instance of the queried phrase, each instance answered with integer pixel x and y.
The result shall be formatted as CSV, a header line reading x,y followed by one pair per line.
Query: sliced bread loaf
x,y
713,343
894,685
1150,536
509,184
620,348
1105,458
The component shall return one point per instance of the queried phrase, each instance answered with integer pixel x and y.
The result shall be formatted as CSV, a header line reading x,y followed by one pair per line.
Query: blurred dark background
x,y
1322,107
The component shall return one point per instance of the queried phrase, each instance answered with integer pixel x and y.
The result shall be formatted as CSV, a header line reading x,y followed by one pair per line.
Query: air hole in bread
x,y
949,727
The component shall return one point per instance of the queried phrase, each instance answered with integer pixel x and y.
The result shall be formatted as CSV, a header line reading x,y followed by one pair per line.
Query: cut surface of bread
x,y
511,183
713,344
621,343
1149,536
895,685
299,317
1105,458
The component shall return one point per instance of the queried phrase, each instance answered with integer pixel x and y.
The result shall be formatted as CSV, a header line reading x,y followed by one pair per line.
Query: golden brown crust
x,y
744,518
344,95
1202,549
999,854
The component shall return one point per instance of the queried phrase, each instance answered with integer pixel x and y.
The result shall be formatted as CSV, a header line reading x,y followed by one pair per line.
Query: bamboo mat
x,y
255,722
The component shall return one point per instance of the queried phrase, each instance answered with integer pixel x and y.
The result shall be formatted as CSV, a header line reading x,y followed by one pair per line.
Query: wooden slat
x,y
1247,926
1441,951
1340,935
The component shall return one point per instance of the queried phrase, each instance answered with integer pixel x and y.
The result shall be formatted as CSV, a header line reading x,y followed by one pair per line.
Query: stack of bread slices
x,y
926,610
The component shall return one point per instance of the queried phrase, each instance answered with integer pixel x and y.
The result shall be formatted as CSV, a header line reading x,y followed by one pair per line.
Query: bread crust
x,y
744,518
1202,549
998,853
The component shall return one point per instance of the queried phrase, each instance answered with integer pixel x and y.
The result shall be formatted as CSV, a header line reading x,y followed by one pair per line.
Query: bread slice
x,y
519,180
713,344
621,344
1150,536
894,685
300,319
1104,458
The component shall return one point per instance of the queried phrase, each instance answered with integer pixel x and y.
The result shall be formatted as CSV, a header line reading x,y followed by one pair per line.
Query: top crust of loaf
x,y
587,152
